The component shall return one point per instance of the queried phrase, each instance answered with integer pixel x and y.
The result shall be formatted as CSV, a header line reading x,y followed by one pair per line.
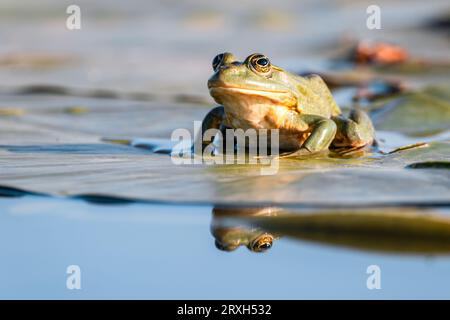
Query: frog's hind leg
x,y
355,132
322,134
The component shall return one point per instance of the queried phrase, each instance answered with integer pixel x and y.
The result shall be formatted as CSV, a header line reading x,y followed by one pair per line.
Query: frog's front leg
x,y
322,131
355,132
213,120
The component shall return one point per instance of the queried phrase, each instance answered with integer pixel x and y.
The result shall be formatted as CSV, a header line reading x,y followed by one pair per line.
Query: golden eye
x,y
262,243
217,61
260,63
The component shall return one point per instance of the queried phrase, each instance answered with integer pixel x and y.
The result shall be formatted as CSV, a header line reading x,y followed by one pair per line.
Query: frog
x,y
230,230
256,94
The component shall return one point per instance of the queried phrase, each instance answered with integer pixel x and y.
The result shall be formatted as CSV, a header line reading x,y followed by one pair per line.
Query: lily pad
x,y
430,165
421,113
56,153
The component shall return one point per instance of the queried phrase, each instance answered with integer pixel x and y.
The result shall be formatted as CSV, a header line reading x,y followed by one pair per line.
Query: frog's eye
x,y
262,243
217,61
260,63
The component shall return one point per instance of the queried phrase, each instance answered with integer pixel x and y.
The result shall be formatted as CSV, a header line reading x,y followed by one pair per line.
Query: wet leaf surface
x,y
422,113
60,153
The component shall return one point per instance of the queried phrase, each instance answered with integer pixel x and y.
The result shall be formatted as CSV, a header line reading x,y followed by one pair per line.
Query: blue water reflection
x,y
152,251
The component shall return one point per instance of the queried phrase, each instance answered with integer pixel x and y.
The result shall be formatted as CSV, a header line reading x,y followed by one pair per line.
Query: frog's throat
x,y
276,97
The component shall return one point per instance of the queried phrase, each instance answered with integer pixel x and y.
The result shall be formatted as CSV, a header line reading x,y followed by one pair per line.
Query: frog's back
x,y
316,98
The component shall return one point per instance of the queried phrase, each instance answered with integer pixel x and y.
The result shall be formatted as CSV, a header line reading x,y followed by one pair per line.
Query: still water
x,y
147,251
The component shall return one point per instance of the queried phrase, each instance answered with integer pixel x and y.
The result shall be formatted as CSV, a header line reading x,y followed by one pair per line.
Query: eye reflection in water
x,y
230,230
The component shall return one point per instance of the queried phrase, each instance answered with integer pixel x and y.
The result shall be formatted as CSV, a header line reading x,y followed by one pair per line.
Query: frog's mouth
x,y
221,92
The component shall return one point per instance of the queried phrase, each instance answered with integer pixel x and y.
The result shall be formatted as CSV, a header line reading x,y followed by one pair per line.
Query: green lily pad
x,y
421,113
55,153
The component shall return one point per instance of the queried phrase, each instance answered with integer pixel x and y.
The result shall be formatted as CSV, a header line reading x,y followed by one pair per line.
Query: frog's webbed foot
x,y
355,132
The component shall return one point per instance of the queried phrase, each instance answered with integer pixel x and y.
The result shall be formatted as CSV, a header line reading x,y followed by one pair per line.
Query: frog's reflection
x,y
231,231
398,230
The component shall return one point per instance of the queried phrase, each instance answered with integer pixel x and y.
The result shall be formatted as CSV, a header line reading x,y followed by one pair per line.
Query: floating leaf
x,y
420,113
430,165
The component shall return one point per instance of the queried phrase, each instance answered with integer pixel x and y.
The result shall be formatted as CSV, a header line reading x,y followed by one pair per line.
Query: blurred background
x,y
167,46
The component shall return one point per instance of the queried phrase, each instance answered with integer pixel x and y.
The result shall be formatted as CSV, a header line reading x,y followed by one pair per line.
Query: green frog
x,y
255,94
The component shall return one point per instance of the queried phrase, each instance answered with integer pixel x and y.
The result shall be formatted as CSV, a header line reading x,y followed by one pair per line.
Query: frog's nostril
x,y
217,61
